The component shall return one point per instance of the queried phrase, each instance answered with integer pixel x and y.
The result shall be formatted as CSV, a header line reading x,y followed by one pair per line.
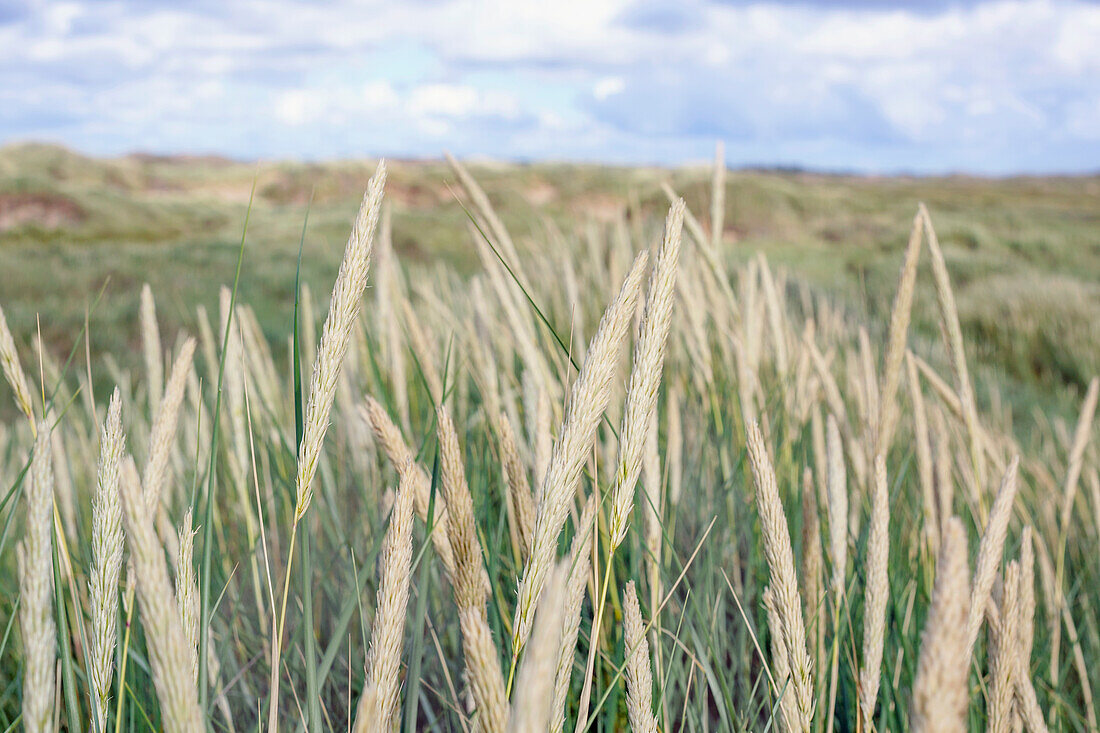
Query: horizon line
x,y
790,168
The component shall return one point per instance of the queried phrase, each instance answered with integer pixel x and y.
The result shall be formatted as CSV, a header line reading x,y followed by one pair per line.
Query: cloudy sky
x,y
994,86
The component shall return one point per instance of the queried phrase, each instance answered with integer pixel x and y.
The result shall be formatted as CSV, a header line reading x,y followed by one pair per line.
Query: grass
x,y
175,223
834,245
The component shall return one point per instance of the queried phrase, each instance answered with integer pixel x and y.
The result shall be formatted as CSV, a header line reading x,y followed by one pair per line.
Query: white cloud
x,y
608,86
619,79
297,107
447,100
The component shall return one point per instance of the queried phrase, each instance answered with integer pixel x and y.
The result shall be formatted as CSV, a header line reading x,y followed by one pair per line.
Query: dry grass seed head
x,y
343,313
34,558
940,692
588,400
639,676
784,583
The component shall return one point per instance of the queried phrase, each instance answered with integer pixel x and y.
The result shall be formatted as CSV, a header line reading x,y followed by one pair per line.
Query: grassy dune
x,y
1023,251
558,461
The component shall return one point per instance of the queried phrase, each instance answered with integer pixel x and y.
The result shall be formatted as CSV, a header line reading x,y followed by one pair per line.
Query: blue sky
x,y
995,86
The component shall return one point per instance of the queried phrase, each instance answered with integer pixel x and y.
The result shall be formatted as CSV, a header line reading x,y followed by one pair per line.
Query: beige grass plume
x,y
162,440
645,377
1027,600
942,470
235,378
163,434
169,656
13,370
187,592
866,392
389,436
777,325
588,400
106,561
150,342
989,553
343,313
534,695
378,705
482,659
940,692
1005,656
923,449
639,675
423,352
34,558
876,594
674,446
652,512
1027,706
812,568
580,564
1081,435
895,348
780,668
519,491
543,440
949,318
837,489
784,583
387,292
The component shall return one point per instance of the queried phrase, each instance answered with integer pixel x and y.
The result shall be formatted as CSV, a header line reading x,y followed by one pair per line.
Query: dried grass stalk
x,y
1005,657
107,543
535,684
645,376
13,370
378,705
837,485
424,353
580,565
168,647
784,583
952,333
187,592
895,346
989,553
343,313
402,458
519,491
162,437
34,559
482,659
923,450
940,688
1081,436
813,568
588,400
151,348
876,595
639,676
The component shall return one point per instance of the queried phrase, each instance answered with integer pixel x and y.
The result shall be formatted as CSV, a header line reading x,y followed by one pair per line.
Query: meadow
x,y
560,451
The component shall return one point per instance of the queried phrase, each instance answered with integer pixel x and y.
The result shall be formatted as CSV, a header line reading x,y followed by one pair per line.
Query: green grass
x,y
1027,323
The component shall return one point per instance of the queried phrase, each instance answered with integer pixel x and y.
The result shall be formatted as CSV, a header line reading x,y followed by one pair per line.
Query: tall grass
x,y
498,520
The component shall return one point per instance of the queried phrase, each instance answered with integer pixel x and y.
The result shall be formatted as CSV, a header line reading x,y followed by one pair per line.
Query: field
x,y
801,454
1023,252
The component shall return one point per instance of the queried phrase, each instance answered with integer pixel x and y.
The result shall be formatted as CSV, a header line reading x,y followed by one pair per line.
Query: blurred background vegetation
x,y
1024,252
